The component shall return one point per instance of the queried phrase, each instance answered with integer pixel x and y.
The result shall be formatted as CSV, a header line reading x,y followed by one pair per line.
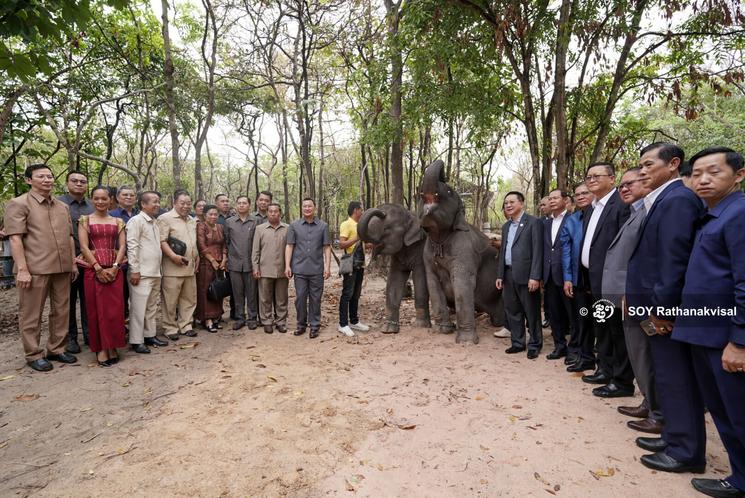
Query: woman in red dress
x,y
213,256
103,245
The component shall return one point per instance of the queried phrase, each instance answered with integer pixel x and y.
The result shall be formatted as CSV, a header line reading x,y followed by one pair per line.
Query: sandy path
x,y
251,414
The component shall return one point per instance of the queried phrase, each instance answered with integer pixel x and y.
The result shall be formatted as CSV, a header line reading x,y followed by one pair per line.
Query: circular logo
x,y
602,310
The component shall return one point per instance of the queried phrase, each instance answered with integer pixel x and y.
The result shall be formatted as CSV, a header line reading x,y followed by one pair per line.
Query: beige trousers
x,y
179,302
273,294
30,307
143,306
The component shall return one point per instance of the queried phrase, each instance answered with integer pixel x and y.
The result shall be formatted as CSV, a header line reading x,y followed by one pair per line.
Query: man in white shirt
x,y
556,302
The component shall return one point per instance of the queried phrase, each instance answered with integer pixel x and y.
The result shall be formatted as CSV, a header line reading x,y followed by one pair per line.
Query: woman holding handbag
x,y
213,254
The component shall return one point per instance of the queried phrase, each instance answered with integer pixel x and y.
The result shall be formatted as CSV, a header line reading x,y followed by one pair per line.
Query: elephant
x,y
395,231
460,262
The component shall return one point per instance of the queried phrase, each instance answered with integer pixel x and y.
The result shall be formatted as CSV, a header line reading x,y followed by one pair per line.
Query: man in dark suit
x,y
601,225
519,274
557,304
716,279
655,279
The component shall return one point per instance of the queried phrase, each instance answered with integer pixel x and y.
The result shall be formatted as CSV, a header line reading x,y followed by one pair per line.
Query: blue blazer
x,y
552,253
570,237
716,277
658,265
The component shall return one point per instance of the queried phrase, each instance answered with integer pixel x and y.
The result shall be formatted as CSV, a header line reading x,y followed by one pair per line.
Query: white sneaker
x,y
346,331
359,326
503,333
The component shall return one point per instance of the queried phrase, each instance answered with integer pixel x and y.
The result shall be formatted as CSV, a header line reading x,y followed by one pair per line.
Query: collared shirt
x,y
222,218
511,232
122,213
260,218
555,225
652,196
309,240
77,209
239,236
269,250
171,224
144,254
46,228
637,205
348,230
598,205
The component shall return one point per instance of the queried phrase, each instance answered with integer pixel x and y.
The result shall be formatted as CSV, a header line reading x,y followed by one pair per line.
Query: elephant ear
x,y
460,218
414,233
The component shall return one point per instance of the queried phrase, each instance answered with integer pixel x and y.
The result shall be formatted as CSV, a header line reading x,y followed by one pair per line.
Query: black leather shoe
x,y
513,350
648,425
556,354
281,329
190,333
238,324
663,462
140,348
268,329
718,488
581,366
40,365
252,325
653,444
314,333
612,391
596,378
533,354
62,358
72,346
154,341
571,359
300,331
173,337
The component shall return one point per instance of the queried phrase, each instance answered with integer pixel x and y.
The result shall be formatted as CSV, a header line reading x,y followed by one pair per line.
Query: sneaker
x,y
502,333
346,331
359,326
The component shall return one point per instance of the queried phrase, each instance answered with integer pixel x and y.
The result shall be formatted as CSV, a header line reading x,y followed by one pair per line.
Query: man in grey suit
x,y
519,274
636,344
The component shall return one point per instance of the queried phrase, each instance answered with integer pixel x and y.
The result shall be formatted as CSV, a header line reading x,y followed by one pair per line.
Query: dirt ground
x,y
250,414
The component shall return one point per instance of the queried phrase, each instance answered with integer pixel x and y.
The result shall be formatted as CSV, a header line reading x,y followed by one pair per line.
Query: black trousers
x,y
521,305
350,297
613,358
77,291
308,294
559,312
585,324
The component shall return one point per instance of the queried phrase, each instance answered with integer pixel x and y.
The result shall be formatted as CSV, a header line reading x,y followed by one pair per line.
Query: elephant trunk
x,y
362,225
434,173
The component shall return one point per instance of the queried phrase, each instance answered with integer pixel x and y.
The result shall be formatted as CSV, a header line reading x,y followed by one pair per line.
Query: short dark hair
x,y
733,159
101,187
608,167
580,184
144,196
243,197
563,193
179,193
309,199
217,197
685,169
274,204
124,187
571,198
519,195
112,191
208,207
74,172
29,171
633,169
352,206
267,193
667,151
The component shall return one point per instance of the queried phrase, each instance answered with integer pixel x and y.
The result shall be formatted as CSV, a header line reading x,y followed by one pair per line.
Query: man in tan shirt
x,y
268,261
179,283
40,232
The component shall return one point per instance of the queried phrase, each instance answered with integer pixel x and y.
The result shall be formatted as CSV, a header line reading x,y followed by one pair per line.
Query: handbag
x,y
176,246
219,288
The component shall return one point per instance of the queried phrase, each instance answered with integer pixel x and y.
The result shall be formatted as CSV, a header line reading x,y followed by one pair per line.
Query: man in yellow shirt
x,y
352,287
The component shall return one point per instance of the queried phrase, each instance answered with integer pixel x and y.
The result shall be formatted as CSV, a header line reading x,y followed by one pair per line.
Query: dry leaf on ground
x,y
27,397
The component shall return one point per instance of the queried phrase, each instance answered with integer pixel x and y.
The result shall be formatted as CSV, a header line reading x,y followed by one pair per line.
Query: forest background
x,y
352,99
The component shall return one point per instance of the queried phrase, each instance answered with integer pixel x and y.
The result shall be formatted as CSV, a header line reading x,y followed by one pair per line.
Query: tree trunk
x,y
321,150
396,162
563,37
170,98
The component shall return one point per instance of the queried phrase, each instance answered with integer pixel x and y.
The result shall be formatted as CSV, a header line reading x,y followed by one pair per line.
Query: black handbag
x,y
176,246
219,288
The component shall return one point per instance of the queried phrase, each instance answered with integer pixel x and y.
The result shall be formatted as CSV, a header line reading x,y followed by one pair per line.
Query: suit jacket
x,y
571,246
658,265
615,213
716,277
552,252
527,250
617,258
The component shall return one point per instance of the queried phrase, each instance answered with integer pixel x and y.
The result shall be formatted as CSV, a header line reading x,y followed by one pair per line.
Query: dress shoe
x,y
580,366
140,348
62,358
72,346
314,333
596,378
40,365
571,359
190,333
173,337
533,354
252,325
268,329
613,391
238,324
640,411
513,350
556,354
718,488
648,425
154,341
281,329
653,444
665,463
299,331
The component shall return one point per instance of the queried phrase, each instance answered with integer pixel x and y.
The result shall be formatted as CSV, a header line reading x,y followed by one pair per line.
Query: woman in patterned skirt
x,y
103,245
213,256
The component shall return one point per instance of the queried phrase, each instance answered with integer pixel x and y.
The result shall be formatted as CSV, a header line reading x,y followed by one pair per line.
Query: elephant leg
x,y
394,291
438,299
421,297
464,285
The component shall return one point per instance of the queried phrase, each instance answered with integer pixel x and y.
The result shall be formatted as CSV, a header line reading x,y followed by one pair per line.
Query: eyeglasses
x,y
592,178
627,184
79,182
